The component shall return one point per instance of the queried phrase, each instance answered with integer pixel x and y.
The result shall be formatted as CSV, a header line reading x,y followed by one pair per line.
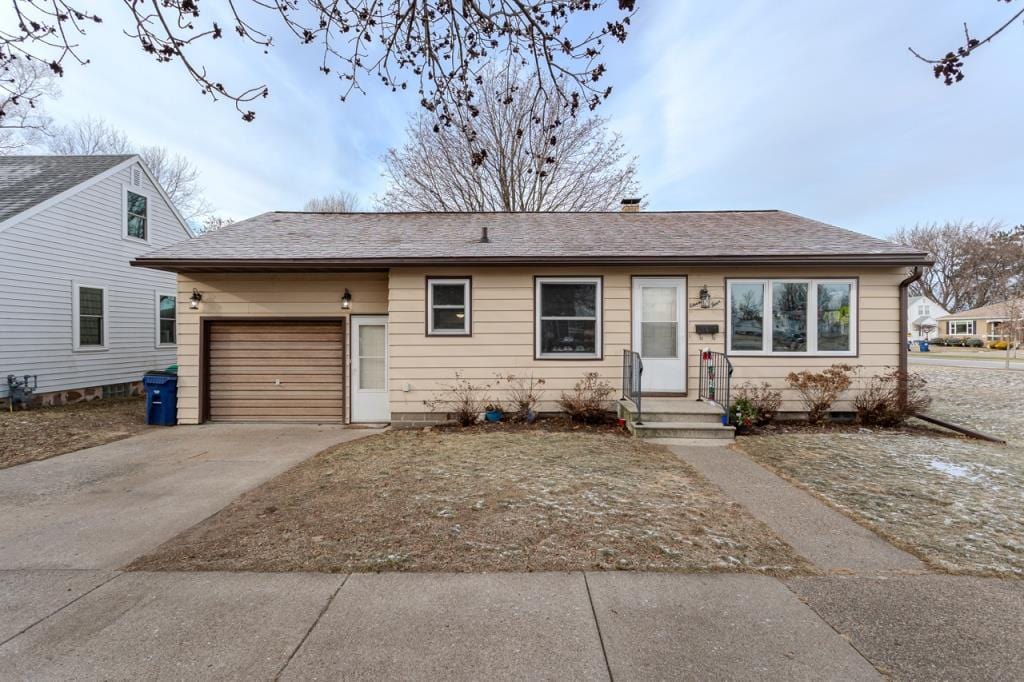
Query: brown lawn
x,y
29,435
479,501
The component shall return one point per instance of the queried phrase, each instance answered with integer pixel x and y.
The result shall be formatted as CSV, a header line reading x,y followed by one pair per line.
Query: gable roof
x,y
286,240
26,181
29,184
985,312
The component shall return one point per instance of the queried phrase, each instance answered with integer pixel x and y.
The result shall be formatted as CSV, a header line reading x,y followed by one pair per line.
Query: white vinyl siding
x,y
792,317
79,239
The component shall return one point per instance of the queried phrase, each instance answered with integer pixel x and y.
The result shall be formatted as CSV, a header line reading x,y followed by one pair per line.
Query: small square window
x,y
449,303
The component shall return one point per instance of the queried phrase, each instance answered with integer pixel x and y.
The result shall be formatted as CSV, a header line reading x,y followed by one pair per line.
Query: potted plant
x,y
493,413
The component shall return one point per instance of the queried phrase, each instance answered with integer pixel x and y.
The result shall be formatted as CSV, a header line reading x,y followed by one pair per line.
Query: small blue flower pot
x,y
493,415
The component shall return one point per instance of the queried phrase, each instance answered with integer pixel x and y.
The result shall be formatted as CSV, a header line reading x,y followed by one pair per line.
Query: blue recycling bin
x,y
161,398
922,346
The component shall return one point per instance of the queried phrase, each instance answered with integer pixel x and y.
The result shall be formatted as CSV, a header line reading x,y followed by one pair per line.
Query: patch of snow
x,y
953,470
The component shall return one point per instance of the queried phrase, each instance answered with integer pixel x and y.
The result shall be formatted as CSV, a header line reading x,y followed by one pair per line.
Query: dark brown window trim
x,y
568,357
793,356
427,311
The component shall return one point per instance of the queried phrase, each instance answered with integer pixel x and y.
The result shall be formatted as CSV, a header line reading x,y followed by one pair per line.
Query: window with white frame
x,y
792,317
961,327
89,310
166,319
136,215
449,303
568,317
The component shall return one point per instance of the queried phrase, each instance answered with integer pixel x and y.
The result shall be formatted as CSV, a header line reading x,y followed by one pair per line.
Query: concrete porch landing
x,y
675,418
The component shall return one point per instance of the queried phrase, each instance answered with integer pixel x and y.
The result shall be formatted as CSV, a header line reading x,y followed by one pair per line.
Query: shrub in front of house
x,y
880,402
764,401
463,401
743,415
974,343
999,345
820,390
939,341
588,401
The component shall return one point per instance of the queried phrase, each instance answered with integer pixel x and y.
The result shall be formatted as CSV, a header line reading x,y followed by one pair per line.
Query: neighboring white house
x,y
72,310
922,318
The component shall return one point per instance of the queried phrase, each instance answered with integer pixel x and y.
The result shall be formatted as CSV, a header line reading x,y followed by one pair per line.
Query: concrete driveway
x,y
101,507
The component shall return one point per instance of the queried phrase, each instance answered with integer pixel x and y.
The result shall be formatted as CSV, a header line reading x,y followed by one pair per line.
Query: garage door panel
x,y
286,371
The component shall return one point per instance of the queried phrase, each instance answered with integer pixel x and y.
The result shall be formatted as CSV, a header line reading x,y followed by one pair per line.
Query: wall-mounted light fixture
x,y
194,301
346,300
704,300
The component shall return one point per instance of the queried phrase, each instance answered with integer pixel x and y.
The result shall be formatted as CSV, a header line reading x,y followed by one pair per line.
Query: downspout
x,y
904,346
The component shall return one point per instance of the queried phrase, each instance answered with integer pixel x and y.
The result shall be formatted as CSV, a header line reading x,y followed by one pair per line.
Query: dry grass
x,y
955,503
30,435
498,501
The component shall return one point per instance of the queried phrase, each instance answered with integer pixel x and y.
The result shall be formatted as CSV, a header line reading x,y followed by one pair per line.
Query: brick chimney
x,y
631,205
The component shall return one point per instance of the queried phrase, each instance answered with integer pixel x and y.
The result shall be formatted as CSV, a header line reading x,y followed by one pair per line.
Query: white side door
x,y
659,332
370,369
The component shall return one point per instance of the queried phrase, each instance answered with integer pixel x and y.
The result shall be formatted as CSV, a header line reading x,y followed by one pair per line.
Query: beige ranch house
x,y
367,317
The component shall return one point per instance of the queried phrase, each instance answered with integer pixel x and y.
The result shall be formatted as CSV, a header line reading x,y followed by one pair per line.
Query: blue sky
x,y
813,107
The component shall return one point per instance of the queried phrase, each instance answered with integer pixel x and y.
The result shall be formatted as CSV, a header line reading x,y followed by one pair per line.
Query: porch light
x,y
193,302
705,297
346,300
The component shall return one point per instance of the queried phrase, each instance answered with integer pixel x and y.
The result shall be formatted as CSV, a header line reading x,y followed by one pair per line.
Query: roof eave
x,y
340,264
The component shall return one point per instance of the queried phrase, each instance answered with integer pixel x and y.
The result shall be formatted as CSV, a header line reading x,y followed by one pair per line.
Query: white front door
x,y
370,369
659,332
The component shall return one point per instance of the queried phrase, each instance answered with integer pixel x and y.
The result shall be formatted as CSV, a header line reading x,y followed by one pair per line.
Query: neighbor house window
x,y
792,317
136,218
568,317
449,303
89,317
961,327
166,322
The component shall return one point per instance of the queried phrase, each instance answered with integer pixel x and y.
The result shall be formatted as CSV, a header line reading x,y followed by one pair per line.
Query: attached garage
x,y
275,370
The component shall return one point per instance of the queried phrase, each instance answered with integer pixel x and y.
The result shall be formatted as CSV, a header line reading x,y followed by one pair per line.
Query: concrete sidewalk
x,y
819,533
594,626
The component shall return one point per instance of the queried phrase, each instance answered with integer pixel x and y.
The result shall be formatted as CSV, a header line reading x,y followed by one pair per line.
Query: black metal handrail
x,y
715,375
632,379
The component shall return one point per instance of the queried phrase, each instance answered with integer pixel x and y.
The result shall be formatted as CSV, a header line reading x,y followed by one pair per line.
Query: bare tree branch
x,y
339,202
437,46
950,67
23,86
535,160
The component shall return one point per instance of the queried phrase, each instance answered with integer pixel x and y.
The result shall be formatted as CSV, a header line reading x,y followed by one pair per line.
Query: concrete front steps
x,y
676,418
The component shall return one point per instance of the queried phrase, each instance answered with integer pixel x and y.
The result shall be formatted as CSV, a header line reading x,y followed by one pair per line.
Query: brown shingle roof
x,y
326,239
985,312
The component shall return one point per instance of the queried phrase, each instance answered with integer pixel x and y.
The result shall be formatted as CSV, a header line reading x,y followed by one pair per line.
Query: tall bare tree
x,y
175,172
339,202
976,264
436,46
529,158
24,84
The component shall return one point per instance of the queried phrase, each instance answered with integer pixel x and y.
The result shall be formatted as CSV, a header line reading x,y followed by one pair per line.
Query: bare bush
x,y
463,401
763,399
587,402
820,390
882,403
524,394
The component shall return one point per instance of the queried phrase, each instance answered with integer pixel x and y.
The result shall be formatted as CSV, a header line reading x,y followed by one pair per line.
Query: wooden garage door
x,y
276,371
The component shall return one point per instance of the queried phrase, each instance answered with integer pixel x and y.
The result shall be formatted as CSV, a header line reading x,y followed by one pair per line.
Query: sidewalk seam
x,y
305,636
117,574
824,620
597,624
